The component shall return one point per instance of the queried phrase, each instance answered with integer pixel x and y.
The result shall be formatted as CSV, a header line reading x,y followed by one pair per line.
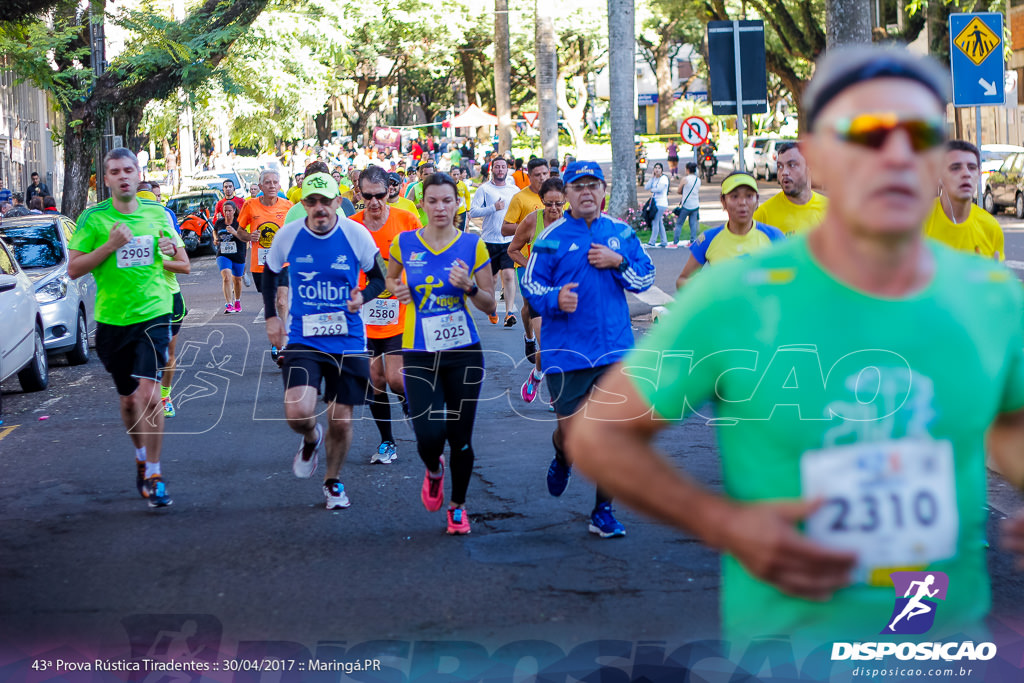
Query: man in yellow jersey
x,y
740,236
395,198
524,203
797,208
955,220
294,193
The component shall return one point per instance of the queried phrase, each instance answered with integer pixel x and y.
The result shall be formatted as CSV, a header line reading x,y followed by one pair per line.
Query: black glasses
x,y
380,195
872,130
314,199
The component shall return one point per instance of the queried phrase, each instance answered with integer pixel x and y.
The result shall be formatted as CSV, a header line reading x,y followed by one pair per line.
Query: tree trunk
x,y
663,73
573,115
502,76
847,22
322,121
621,65
79,152
547,71
468,74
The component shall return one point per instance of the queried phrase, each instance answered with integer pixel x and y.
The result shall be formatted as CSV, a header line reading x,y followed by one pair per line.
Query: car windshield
x,y
994,156
249,175
35,246
187,206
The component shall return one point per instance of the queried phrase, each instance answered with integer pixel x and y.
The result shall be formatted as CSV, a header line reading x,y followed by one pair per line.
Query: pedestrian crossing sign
x,y
977,41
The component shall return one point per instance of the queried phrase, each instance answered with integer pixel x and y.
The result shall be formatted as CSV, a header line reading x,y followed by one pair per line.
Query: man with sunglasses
x,y
414,192
955,219
851,447
576,280
395,197
326,335
384,316
797,208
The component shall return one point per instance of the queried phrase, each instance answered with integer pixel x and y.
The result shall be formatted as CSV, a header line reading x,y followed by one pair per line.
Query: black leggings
x,y
442,389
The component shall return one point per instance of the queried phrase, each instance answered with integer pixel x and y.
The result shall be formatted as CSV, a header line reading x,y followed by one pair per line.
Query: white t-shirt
x,y
659,186
691,192
483,207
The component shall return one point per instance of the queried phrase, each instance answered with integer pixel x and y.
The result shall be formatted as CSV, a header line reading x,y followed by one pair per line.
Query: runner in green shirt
x,y
851,448
127,244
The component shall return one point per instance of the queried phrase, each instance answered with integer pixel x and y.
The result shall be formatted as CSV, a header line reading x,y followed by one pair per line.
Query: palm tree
x,y
547,73
621,82
502,76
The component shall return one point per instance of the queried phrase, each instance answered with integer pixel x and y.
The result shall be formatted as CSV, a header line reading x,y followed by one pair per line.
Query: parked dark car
x,y
195,218
1006,186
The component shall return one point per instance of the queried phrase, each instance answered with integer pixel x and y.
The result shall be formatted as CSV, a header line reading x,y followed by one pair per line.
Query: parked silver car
x,y
40,245
21,344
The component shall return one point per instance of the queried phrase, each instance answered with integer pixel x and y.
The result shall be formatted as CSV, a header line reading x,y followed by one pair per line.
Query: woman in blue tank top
x,y
444,365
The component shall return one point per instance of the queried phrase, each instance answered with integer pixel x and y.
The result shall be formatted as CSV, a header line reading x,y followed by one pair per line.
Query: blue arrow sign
x,y
976,58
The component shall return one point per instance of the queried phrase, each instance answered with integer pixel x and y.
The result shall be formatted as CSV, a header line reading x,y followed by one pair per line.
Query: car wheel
x,y
36,374
989,203
1018,206
79,355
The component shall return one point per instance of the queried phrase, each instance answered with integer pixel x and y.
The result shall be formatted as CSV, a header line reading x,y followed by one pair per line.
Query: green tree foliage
x,y
160,56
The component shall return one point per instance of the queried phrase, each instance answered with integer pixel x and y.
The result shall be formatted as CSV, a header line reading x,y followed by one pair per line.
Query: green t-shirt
x,y
414,193
172,278
793,361
130,284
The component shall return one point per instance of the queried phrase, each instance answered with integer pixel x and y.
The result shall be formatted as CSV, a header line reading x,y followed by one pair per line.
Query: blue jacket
x,y
599,332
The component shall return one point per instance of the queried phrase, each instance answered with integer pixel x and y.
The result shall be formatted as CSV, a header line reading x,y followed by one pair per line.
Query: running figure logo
x,y
914,612
427,289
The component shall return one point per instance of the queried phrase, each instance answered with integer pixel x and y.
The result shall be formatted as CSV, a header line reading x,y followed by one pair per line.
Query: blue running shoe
x,y
386,453
156,492
604,524
558,477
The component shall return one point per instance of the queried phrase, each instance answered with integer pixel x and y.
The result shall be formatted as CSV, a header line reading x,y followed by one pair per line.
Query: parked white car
x,y
22,351
40,245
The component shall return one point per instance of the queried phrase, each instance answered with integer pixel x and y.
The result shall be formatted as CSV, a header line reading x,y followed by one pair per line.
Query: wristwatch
x,y
471,292
624,265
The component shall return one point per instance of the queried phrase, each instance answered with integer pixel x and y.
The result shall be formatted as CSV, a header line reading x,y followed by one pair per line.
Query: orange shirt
x,y
521,178
398,221
266,220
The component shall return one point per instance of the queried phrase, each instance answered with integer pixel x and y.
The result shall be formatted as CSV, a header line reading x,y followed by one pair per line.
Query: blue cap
x,y
582,169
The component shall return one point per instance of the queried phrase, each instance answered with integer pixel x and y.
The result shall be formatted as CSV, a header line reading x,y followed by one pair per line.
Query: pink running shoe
x,y
432,493
458,522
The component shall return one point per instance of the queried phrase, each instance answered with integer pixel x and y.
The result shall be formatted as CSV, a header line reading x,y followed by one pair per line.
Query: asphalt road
x,y
247,565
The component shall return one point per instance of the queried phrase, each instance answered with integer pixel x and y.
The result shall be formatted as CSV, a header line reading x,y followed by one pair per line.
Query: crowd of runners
x,y
369,295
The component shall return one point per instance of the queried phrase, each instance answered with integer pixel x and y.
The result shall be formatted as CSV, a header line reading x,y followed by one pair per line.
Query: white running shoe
x,y
303,468
335,496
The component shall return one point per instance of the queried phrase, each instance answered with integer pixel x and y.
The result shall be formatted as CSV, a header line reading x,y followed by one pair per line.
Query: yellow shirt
x,y
790,218
979,234
525,202
406,205
295,194
464,199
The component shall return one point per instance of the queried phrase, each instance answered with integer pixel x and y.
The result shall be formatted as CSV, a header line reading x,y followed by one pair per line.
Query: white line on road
x,y
1016,265
259,317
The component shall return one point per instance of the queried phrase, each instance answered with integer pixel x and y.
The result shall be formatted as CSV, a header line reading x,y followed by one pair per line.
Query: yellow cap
x,y
145,194
735,180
